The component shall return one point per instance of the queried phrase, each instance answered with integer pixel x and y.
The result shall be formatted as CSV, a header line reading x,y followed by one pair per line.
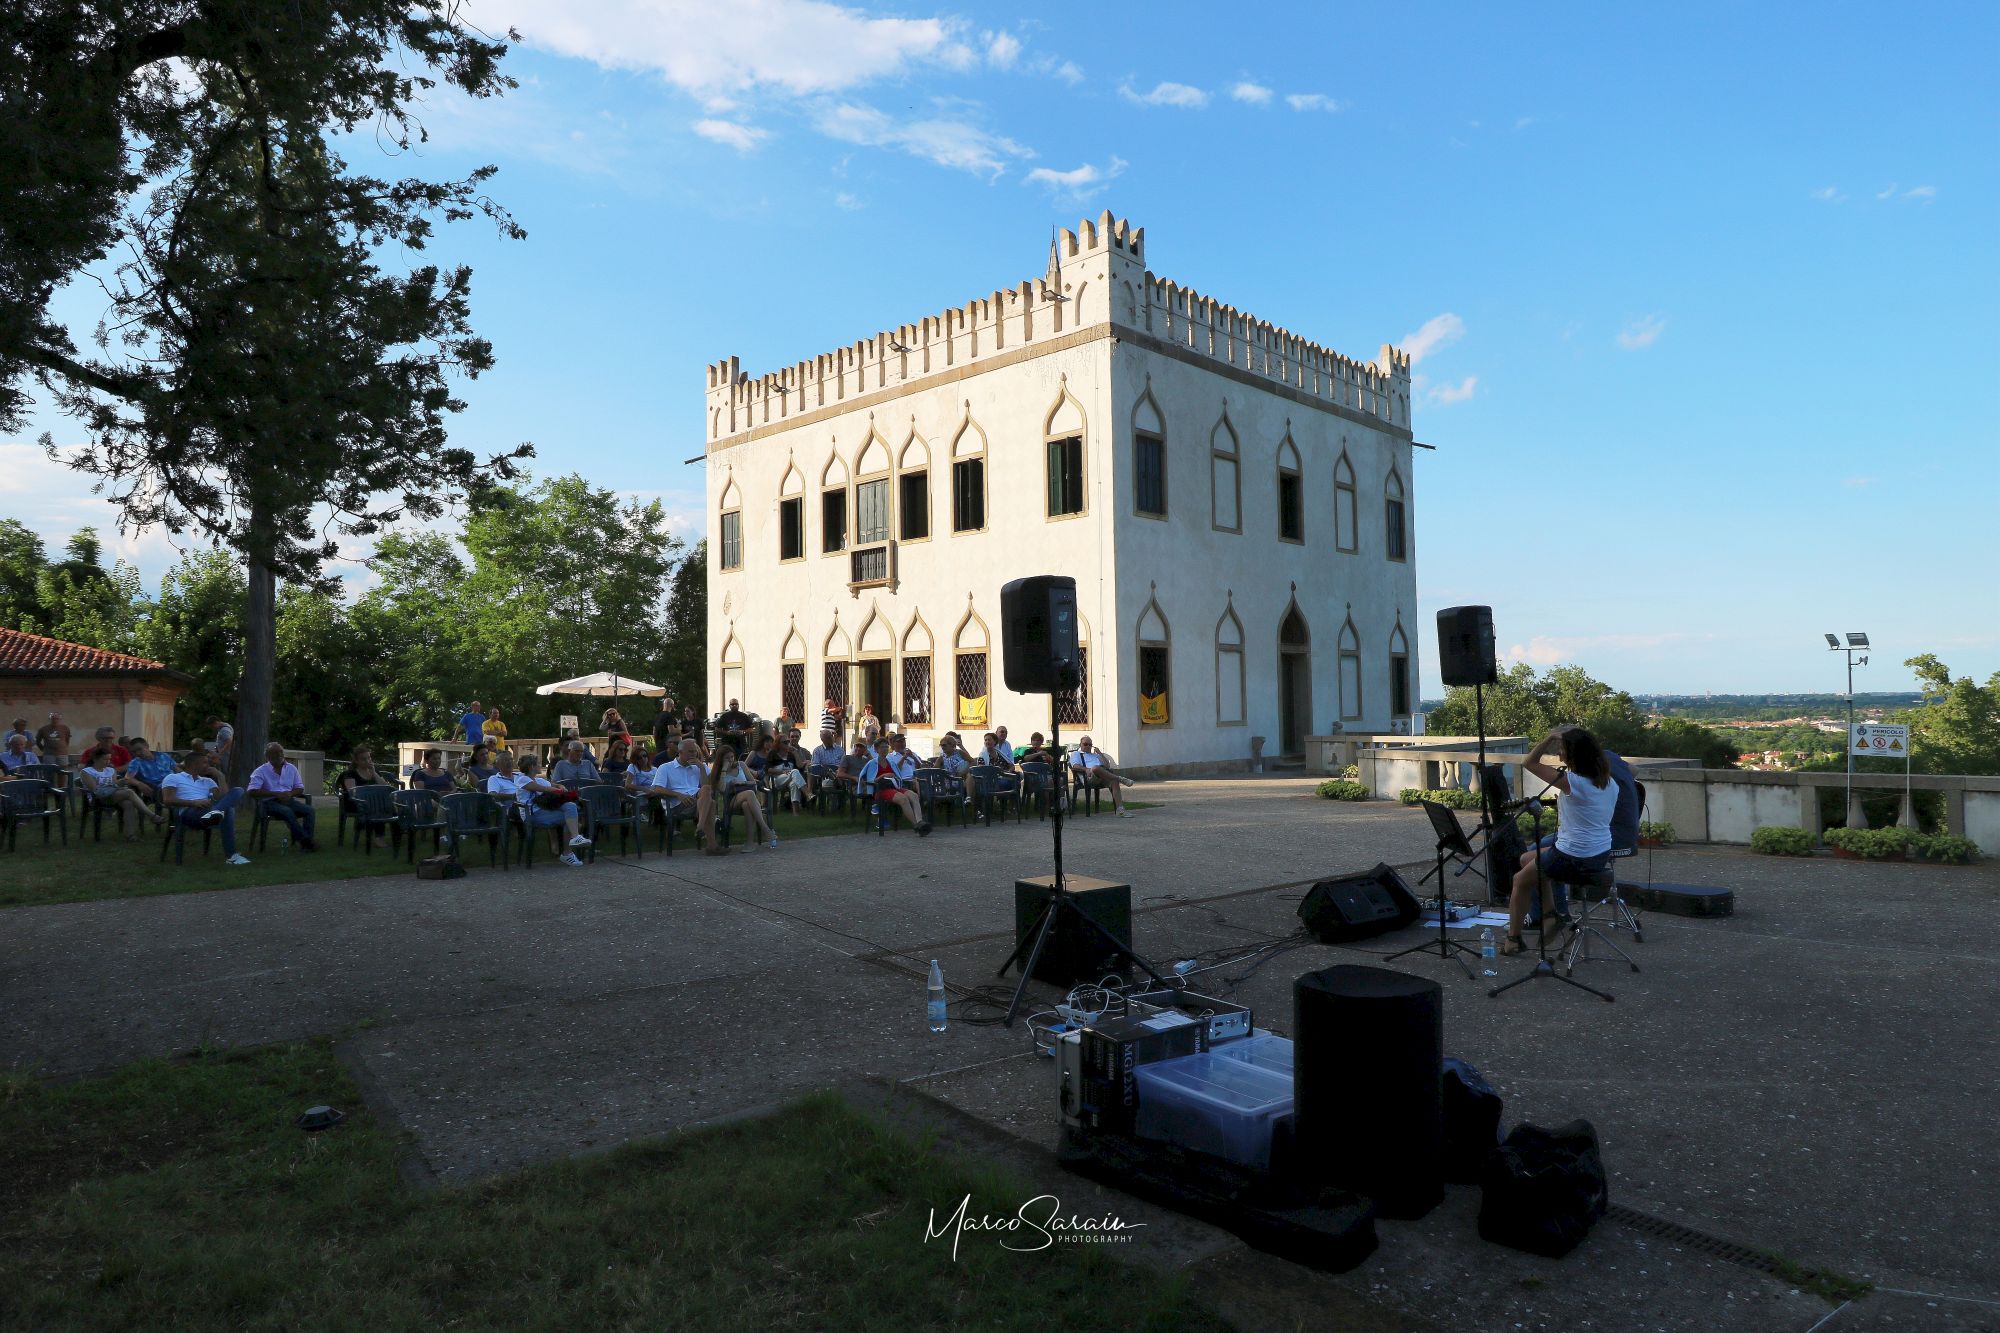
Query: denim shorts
x,y
550,818
1561,866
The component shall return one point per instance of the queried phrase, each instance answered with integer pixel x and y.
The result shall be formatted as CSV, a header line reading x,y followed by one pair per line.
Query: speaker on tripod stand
x,y
1466,656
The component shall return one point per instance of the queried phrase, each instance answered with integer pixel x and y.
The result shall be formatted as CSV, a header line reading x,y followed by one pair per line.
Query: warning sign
x,y
1881,739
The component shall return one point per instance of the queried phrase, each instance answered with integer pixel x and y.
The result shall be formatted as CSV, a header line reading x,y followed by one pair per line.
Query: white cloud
x,y
1078,182
849,202
1003,49
1547,650
1923,192
1829,194
1447,394
1255,93
1522,123
943,140
1066,70
1167,94
958,55
1311,102
742,138
1889,193
1438,332
1857,483
1643,332
721,46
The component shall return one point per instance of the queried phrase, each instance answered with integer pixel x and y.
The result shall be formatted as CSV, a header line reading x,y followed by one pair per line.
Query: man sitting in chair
x,y
1092,769
1586,797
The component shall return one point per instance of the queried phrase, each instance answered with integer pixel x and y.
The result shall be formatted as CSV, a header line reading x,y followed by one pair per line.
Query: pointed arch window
x,y
969,673
1072,707
1350,672
1229,675
968,478
732,669
917,698
1397,517
792,517
871,493
731,527
833,507
913,490
1399,673
792,677
1291,493
1345,511
1225,477
1149,458
1062,436
1155,668
837,669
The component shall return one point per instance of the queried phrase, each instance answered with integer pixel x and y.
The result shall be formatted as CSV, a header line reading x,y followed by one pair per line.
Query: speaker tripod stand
x,y
1059,906
1451,840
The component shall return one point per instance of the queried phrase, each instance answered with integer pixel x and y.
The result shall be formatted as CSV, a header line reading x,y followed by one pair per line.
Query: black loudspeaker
x,y
1038,642
1368,1053
1357,906
1465,646
1074,954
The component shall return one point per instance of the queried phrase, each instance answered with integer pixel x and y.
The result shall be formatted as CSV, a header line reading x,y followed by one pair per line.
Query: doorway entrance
x,y
1294,683
872,686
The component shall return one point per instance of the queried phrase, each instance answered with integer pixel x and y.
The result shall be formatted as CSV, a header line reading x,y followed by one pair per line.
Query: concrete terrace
x,y
1812,1076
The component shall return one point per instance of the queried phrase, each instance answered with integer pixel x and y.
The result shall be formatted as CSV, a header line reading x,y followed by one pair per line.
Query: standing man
x,y
280,791
472,726
53,740
830,719
20,728
223,744
666,727
493,731
190,796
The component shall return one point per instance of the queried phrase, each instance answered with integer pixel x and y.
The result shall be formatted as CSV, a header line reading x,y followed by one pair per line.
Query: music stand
x,y
1451,839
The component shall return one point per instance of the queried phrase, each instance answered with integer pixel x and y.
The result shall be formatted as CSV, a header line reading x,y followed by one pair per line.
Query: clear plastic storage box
x,y
1262,1048
1215,1104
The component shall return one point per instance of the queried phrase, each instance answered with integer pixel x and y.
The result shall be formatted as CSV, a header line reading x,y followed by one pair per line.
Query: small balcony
x,y
872,566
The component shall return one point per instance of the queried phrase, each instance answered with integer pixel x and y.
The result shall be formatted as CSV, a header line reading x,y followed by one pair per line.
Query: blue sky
x,y
1706,300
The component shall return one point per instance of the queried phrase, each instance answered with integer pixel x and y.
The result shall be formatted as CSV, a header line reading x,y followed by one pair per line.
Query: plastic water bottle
x,y
934,1000
1488,951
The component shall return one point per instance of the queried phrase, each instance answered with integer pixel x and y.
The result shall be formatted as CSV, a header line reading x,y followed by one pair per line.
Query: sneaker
x,y
924,829
1123,813
579,841
212,817
774,844
569,859
237,860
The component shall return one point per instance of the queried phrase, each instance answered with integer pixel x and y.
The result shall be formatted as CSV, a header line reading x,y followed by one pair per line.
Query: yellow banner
x,y
1153,710
972,712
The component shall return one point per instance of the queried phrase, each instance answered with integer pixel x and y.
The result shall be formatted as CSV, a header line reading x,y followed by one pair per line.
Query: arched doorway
x,y
1294,682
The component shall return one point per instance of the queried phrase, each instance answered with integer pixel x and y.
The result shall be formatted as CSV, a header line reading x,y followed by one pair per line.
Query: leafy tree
x,y
196,625
23,561
1957,728
685,668
1522,703
269,382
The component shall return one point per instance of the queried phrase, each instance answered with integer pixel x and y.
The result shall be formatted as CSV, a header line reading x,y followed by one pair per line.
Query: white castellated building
x,y
1234,502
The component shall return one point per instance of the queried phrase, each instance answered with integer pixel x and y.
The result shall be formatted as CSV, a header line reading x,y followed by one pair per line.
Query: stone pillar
x,y
1856,817
1809,818
1954,810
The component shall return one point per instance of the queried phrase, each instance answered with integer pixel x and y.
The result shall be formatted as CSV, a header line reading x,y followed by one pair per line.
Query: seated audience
x,y
148,766
479,765
20,728
361,772
1040,752
107,786
638,775
17,754
191,797
853,762
884,779
107,737
536,801
682,785
432,776
1092,769
576,768
1002,745
279,791
827,754
617,758
731,784
772,763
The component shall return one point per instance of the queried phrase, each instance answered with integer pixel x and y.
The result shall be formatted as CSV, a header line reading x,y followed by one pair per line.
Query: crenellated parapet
x,y
1096,276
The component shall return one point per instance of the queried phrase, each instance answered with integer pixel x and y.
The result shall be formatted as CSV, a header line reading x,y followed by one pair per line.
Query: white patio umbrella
x,y
602,685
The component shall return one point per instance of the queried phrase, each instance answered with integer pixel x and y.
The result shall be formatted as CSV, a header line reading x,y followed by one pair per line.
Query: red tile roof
x,y
31,654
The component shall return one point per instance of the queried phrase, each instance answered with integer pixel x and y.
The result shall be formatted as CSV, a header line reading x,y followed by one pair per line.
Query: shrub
x,y
1874,844
1351,772
1525,821
1339,789
1660,831
1947,847
1456,798
1781,840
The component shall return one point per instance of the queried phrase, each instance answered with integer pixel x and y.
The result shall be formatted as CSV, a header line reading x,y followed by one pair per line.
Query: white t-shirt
x,y
1085,759
680,779
519,786
1584,816
188,787
102,779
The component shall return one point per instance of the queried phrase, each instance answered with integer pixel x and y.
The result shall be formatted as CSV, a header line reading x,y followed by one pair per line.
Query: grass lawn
x,y
178,1193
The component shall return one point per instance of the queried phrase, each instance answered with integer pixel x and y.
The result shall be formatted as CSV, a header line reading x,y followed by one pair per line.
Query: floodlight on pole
x,y
1857,642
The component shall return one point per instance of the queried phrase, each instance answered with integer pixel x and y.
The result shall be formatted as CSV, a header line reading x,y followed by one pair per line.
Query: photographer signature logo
x,y
1035,1225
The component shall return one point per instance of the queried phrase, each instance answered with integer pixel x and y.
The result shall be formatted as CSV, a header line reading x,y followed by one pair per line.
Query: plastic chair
x,y
374,808
935,792
28,799
62,783
177,831
989,786
830,789
604,806
665,816
1091,796
418,812
1038,785
473,814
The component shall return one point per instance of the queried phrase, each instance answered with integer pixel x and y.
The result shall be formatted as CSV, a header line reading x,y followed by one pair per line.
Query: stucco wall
x,y
129,707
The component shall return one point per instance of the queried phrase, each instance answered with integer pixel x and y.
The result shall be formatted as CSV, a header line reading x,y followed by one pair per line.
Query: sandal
x,y
1512,946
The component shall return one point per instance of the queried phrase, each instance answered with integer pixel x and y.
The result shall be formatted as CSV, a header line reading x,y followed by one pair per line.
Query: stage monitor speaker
x,y
1074,954
1357,906
1367,1071
1465,646
1038,634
